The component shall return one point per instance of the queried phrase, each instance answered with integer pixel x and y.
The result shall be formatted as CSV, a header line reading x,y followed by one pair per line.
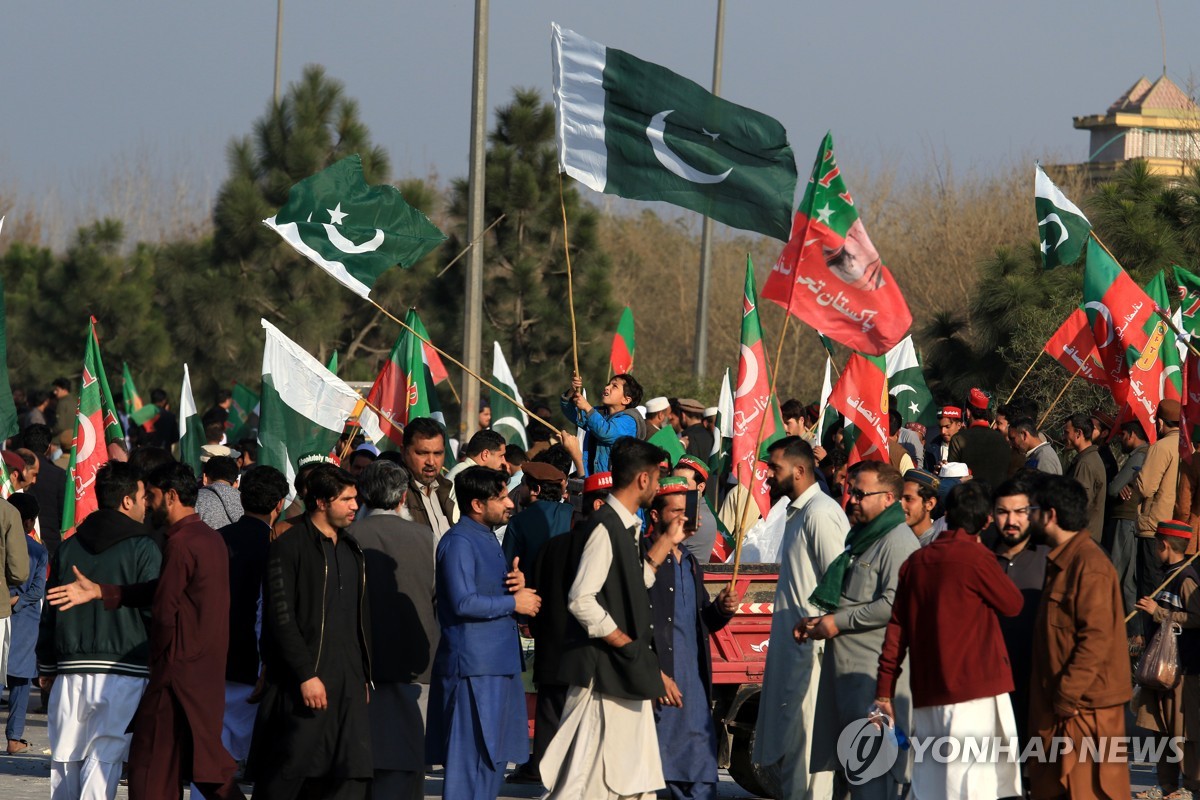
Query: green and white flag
x,y
723,428
827,415
635,129
508,419
303,406
906,384
353,231
1062,227
191,429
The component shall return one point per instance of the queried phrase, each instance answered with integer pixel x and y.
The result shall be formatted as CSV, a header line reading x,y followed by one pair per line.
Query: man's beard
x,y
1037,534
1012,540
780,490
158,517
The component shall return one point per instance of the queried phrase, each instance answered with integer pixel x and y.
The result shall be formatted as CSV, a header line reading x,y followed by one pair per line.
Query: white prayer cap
x,y
711,411
954,469
657,404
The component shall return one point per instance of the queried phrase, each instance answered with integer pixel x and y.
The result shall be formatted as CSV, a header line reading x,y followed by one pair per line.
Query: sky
x,y
89,89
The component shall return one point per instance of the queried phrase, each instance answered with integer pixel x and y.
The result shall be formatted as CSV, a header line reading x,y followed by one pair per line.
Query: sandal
x,y
1179,794
17,746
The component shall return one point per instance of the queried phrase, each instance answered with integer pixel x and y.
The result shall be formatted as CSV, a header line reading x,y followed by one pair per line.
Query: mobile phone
x,y
691,510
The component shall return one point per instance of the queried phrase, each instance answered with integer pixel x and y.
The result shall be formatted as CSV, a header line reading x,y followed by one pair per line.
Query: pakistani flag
x,y
332,365
191,429
1189,299
508,419
906,384
635,129
1062,227
353,231
243,414
304,406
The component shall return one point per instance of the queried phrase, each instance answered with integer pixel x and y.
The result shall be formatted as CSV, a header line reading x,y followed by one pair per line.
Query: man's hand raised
x,y
78,593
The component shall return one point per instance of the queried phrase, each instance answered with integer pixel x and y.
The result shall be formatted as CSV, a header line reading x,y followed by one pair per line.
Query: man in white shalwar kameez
x,y
606,747
97,660
814,535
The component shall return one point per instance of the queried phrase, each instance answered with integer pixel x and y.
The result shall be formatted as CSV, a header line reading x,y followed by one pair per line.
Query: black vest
x,y
632,671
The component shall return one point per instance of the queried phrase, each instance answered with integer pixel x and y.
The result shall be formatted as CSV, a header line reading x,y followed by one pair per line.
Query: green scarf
x,y
828,594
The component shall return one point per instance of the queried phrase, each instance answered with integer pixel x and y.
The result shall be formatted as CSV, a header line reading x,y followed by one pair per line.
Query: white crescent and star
x,y
904,387
87,435
671,160
336,215
747,385
1103,311
1052,217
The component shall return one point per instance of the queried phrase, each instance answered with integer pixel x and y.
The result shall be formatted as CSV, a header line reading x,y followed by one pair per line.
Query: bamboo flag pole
x,y
471,244
1163,585
1023,377
562,203
1060,394
354,416
458,364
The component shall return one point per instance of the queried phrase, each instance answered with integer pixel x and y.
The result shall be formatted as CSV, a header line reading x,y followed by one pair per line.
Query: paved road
x,y
27,776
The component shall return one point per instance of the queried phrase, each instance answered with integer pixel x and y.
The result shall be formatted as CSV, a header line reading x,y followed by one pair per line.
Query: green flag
x,y
1062,227
191,429
1189,297
243,413
1162,338
635,129
906,385
353,231
9,424
404,388
668,440
508,419
332,365
304,406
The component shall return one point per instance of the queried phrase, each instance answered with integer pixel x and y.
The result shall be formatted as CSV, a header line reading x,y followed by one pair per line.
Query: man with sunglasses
x,y
856,592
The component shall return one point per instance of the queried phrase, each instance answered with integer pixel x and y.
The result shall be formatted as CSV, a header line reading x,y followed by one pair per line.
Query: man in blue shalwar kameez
x,y
683,618
477,720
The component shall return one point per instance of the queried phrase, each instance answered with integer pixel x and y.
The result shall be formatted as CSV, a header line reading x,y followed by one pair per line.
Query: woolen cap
x,y
596,482
950,412
657,404
691,406
1174,528
1169,410
541,471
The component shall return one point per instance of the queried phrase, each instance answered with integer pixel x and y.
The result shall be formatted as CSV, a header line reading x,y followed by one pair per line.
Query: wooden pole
x,y
358,409
562,203
470,244
1046,416
1023,377
461,366
1162,585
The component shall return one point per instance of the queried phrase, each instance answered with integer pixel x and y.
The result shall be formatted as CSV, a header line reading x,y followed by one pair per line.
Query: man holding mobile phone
x,y
684,616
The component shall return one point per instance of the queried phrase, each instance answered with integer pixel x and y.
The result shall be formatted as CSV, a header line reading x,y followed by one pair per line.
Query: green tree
x,y
525,303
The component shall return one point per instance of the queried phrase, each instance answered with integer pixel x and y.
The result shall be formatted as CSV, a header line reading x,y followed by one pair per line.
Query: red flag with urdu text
x,y
1074,347
861,396
830,275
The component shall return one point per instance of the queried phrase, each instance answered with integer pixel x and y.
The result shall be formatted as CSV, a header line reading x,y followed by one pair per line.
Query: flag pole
x,y
562,204
740,528
1171,324
1023,377
458,364
470,244
1060,394
1163,585
354,416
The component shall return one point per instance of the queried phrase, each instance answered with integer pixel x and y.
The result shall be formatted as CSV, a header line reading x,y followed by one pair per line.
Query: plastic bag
x,y
1158,667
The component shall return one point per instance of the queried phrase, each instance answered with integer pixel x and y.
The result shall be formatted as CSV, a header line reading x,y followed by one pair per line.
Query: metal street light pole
x,y
278,46
473,307
701,343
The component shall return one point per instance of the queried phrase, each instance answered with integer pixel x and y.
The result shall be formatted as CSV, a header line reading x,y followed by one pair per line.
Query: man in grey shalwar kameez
x,y
857,591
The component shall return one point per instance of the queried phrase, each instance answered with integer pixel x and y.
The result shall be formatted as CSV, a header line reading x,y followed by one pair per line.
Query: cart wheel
x,y
759,781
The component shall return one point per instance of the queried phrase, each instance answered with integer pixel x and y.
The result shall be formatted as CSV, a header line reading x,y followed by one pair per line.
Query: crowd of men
x,y
337,636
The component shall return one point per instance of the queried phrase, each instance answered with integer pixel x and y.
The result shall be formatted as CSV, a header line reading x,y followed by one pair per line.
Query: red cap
x,y
599,482
694,464
950,412
977,398
1174,528
13,461
671,486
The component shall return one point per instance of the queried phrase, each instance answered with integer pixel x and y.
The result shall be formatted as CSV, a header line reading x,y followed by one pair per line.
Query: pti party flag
x,y
830,275
96,426
621,358
756,420
304,407
9,423
1189,299
1189,434
634,129
906,383
404,388
437,370
1159,359
353,231
191,429
508,419
1062,227
243,413
861,395
1074,347
139,413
